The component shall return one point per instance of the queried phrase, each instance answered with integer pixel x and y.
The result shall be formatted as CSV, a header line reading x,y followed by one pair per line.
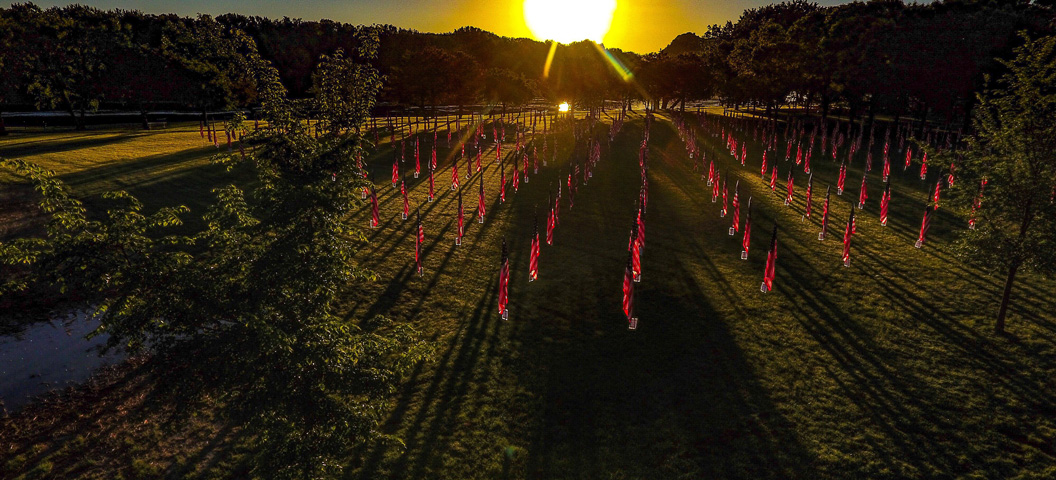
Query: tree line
x,y
883,56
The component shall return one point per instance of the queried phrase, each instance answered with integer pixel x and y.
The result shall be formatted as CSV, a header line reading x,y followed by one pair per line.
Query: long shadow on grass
x,y
47,144
675,398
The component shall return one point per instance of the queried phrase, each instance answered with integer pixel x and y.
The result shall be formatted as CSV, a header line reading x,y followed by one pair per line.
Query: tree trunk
x,y
999,327
143,120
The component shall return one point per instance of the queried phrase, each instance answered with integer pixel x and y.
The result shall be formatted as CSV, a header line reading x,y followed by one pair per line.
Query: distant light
x,y
563,107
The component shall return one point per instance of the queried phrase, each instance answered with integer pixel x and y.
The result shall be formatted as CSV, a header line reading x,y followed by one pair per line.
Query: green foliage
x,y
244,309
435,76
345,90
1014,149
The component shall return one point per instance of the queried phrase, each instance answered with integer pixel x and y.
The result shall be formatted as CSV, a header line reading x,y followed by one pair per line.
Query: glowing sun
x,y
568,21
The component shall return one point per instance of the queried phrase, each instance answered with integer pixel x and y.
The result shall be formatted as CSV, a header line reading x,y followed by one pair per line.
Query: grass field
x,y
885,369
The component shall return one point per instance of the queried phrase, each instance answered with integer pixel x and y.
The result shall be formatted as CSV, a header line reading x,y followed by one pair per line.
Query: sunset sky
x,y
638,25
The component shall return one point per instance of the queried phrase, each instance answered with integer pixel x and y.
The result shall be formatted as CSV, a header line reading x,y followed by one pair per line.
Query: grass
x,y
885,369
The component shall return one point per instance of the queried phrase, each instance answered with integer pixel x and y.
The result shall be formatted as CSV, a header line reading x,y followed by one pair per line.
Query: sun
x,y
568,21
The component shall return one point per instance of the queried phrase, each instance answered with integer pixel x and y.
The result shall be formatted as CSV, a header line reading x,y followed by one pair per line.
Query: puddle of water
x,y
50,355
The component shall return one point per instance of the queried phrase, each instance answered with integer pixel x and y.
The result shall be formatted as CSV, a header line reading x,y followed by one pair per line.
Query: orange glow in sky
x,y
641,26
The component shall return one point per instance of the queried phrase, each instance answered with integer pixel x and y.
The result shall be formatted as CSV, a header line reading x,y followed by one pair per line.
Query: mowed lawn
x,y
887,368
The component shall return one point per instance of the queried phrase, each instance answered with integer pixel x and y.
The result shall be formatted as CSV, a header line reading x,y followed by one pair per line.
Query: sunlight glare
x,y
569,21
563,107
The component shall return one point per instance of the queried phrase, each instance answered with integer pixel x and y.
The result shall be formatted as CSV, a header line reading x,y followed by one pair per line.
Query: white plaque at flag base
x,y
632,323
918,244
821,236
762,287
404,215
506,314
458,241
415,174
731,231
481,220
744,255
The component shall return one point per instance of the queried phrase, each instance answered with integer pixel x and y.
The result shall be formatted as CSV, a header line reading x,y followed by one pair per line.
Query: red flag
x,y
790,187
504,278
885,202
771,261
887,164
924,166
480,201
419,240
374,220
525,169
417,163
847,232
935,196
516,177
557,205
840,180
535,156
711,173
762,171
406,205
550,222
636,252
628,295
863,193
949,178
454,175
924,225
641,229
773,179
722,213
502,182
715,188
747,240
806,161
430,184
461,215
976,204
533,257
810,192
736,208
909,156
432,161
824,215
395,172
